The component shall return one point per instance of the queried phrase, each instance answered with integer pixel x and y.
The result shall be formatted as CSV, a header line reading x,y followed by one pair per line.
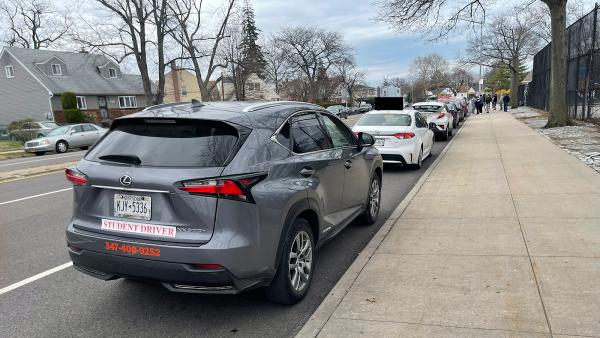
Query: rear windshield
x,y
385,120
427,108
169,143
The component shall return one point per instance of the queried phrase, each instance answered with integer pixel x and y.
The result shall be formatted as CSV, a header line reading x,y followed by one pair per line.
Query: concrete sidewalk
x,y
501,240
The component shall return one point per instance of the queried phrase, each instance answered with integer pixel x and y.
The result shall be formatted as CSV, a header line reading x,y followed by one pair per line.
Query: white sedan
x,y
441,121
401,136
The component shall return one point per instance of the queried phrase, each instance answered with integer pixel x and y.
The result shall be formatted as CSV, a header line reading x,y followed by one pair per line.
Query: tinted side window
x,y
340,135
283,137
308,134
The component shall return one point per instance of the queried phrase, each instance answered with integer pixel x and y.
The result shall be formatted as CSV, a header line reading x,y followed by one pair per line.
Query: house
x,y
389,91
182,85
360,92
33,81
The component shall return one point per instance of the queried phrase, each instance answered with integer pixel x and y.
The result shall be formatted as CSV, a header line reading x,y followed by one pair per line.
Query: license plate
x,y
133,206
379,142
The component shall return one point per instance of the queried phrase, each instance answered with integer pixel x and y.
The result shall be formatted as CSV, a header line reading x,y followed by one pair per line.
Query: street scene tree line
x,y
308,63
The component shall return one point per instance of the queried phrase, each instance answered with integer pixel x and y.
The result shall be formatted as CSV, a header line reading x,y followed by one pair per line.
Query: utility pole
x,y
480,58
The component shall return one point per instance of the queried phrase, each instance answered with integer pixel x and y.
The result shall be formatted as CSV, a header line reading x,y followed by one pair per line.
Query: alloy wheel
x,y
300,261
374,198
62,147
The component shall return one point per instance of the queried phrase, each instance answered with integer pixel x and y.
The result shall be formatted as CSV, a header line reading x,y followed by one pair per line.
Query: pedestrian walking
x,y
495,100
473,99
488,101
505,101
479,104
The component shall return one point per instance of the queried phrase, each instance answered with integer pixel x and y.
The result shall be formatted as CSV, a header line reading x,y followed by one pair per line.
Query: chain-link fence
x,y
583,71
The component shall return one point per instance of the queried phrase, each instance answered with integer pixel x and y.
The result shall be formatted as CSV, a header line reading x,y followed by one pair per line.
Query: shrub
x,y
15,130
68,101
90,117
74,116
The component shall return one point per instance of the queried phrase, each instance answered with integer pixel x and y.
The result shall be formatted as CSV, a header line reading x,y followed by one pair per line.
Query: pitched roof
x,y
82,77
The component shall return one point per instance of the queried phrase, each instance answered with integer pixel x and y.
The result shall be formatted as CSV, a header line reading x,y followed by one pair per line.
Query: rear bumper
x,y
175,277
402,155
174,268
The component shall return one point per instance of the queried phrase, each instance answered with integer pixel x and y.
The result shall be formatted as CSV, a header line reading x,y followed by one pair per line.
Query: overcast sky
x,y
379,50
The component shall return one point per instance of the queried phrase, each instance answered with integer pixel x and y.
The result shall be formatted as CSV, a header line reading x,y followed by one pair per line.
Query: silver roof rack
x,y
263,105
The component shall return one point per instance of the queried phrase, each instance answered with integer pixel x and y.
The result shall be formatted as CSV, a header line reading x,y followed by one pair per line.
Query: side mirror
x,y
366,140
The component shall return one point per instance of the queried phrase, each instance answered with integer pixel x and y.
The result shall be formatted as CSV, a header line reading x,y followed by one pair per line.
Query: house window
x,y
10,72
254,86
183,91
127,102
81,103
112,73
56,69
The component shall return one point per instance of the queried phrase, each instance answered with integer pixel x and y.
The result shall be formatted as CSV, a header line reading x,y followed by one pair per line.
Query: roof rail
x,y
263,105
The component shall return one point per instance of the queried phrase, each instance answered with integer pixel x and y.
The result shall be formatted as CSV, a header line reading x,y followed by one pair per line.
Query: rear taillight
x,y
441,116
76,177
231,188
404,135
442,126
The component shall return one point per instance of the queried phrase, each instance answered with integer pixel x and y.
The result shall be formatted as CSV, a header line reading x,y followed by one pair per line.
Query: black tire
x,y
419,163
445,136
450,131
39,153
369,217
281,289
84,148
62,146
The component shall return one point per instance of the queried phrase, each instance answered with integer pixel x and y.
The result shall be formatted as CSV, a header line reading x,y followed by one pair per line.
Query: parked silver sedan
x,y
61,139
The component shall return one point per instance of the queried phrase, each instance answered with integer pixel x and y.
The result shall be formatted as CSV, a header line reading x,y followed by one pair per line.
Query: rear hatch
x,y
134,178
389,129
430,112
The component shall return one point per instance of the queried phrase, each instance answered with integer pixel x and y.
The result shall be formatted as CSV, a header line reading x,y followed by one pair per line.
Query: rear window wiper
x,y
129,159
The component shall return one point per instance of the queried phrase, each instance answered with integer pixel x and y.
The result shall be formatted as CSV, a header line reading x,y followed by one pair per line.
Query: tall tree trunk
x,y
514,84
558,115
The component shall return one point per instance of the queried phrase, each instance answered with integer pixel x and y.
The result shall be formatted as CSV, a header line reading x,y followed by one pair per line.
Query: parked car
x,y
339,111
365,107
456,112
439,120
31,130
63,138
402,136
220,197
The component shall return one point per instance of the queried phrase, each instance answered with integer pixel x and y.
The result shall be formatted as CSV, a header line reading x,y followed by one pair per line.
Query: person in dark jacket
x,y
488,101
479,104
505,101
495,100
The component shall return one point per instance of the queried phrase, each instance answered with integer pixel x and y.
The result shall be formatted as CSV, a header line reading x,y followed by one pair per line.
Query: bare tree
x,y
509,40
460,77
131,28
439,17
233,58
349,77
200,46
431,70
34,23
277,71
312,51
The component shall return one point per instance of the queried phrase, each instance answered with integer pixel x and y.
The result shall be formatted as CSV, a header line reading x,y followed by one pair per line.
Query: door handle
x,y
348,164
307,172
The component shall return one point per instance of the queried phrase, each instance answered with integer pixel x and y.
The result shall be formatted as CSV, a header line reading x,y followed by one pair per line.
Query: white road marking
x,y
34,278
34,196
38,160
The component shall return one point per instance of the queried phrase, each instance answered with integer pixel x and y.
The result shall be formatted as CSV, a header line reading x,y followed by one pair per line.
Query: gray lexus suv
x,y
220,197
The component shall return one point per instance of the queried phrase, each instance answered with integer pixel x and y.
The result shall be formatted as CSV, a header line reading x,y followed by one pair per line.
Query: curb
x,y
321,316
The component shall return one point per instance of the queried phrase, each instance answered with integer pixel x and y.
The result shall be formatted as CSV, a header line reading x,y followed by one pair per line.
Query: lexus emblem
x,y
125,180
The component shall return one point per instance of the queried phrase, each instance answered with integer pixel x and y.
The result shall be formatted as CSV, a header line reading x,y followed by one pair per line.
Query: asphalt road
x,y
37,161
69,303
